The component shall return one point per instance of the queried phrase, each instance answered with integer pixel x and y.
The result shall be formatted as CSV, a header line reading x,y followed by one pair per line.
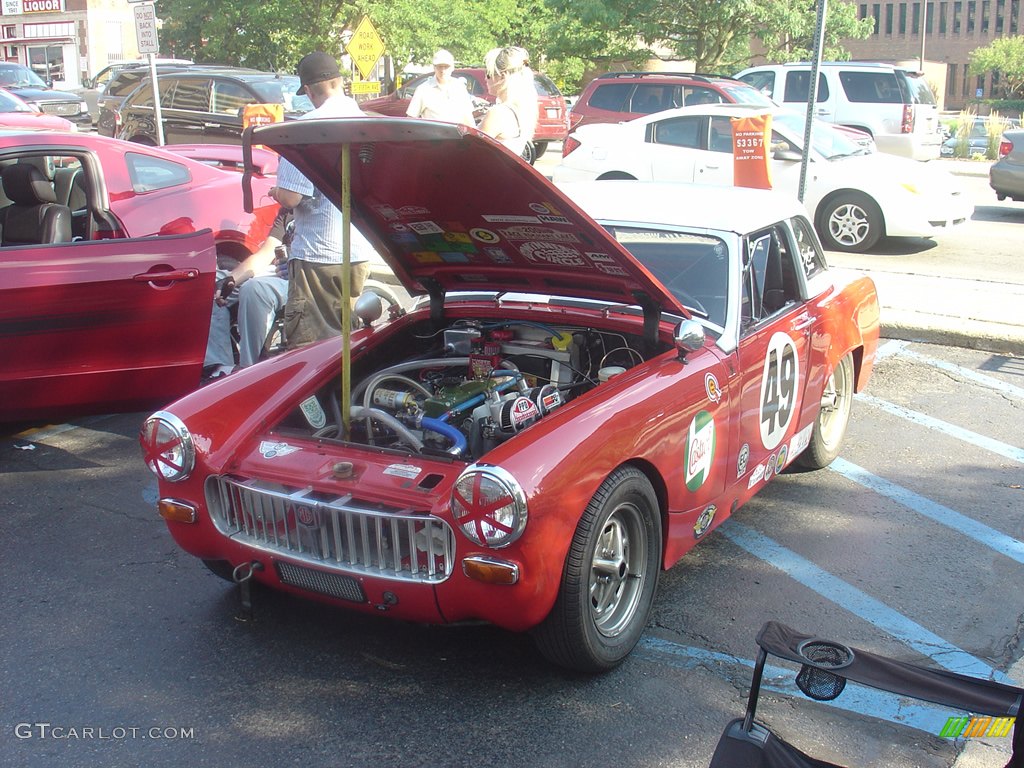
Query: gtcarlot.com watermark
x,y
56,732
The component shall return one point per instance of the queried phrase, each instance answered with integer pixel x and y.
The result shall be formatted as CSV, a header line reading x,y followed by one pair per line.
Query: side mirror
x,y
689,337
787,154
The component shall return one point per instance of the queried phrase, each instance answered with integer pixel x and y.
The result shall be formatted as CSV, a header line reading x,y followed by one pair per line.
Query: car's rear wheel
x,y
609,578
833,417
851,222
530,153
539,148
616,175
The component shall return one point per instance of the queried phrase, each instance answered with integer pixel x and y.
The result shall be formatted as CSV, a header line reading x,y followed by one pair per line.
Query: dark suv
x,y
119,88
551,109
204,106
619,96
23,82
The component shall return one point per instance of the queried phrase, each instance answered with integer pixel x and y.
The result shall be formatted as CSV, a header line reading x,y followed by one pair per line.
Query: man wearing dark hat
x,y
313,309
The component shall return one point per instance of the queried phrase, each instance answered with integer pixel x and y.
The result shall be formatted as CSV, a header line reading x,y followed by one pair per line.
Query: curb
x,y
970,334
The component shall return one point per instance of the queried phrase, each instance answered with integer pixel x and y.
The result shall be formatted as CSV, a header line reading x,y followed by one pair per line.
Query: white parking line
x,y
902,349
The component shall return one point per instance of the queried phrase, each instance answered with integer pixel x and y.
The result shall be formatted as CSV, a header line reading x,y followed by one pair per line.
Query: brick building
x,y
953,28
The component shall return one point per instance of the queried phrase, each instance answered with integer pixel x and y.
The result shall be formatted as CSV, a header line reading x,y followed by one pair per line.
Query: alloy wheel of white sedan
x,y
850,222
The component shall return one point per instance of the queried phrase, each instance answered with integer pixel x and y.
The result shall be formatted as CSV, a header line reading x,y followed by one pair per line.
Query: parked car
x,y
204,106
896,106
119,88
106,284
977,139
552,113
854,197
596,379
615,97
15,112
23,82
1006,175
94,87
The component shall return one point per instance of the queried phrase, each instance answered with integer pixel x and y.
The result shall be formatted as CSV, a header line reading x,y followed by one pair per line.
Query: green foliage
x,y
1004,56
564,37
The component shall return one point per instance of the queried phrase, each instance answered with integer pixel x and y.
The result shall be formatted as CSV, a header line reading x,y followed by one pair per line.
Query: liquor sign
x,y
16,7
145,28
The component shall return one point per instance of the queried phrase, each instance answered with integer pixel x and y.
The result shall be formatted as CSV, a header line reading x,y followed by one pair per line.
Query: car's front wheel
x,y
850,221
616,176
833,417
609,578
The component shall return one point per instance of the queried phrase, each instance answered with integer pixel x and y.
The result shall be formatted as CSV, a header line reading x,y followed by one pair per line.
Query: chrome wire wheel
x,y
618,570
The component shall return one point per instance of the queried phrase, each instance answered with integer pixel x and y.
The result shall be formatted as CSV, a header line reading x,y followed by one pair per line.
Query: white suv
x,y
894,105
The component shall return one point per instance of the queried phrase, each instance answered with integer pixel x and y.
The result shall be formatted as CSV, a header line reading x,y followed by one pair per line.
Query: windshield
x,y
11,103
281,90
17,76
742,93
826,140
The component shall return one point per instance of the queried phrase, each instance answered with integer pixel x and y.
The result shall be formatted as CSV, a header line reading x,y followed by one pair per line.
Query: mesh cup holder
x,y
817,683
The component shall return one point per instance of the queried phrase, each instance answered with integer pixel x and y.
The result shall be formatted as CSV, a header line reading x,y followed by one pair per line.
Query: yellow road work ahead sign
x,y
365,47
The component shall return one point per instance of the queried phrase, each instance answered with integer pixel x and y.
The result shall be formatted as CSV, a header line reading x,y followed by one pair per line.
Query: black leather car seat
x,y
34,215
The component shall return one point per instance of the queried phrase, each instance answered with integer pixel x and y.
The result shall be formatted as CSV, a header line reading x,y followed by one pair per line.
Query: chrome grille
x,y
339,533
60,107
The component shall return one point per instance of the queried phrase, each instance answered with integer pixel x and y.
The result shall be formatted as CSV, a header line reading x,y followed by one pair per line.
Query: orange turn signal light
x,y
176,511
490,570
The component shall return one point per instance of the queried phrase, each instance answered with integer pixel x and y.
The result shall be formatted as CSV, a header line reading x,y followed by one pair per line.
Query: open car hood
x,y
450,209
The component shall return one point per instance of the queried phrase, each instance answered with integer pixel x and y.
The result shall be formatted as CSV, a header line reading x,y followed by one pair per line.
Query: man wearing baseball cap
x,y
443,97
313,309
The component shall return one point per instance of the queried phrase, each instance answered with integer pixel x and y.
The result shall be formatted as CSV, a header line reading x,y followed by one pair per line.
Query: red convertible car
x,y
595,378
107,268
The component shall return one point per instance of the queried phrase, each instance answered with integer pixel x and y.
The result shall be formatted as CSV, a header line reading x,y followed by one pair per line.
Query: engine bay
x,y
461,390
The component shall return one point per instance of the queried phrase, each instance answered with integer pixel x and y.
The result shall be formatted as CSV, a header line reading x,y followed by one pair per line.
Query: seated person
x,y
260,294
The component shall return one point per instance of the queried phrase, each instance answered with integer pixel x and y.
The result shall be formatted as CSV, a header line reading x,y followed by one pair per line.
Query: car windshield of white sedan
x,y
825,139
693,267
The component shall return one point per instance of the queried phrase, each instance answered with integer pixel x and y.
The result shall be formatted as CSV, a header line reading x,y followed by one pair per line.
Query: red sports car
x,y
15,112
595,379
109,259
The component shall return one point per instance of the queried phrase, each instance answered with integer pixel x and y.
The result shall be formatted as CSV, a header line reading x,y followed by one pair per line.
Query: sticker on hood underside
x,y
313,412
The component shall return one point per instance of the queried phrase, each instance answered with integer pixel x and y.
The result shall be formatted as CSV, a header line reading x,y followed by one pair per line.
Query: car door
x,y
189,107
102,325
674,146
796,89
772,354
713,160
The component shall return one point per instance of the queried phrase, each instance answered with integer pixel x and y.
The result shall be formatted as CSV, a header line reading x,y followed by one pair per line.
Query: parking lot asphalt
x,y
962,312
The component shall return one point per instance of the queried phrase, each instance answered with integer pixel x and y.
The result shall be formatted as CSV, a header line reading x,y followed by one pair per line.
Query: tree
x,y
716,34
1005,58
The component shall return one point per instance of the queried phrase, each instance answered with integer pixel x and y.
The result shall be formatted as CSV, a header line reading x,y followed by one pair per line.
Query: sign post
x,y
149,44
365,48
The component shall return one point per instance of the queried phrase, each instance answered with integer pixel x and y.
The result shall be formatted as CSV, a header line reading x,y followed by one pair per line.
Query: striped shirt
x,y
318,223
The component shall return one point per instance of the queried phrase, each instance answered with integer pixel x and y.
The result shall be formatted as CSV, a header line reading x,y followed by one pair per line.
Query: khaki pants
x,y
313,311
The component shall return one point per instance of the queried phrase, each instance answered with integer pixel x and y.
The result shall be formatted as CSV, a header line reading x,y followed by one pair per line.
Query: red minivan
x,y
552,118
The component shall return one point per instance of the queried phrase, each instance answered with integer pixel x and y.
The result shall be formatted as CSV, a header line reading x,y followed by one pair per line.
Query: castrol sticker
x,y
700,450
780,389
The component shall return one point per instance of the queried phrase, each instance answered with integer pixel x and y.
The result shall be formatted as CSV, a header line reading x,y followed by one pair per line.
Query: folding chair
x,y
825,668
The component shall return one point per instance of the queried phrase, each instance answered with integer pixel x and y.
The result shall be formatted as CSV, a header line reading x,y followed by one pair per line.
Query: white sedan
x,y
853,197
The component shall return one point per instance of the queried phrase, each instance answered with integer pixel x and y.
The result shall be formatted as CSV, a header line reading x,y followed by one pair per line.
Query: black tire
x,y
616,176
610,577
850,222
530,153
833,418
539,148
221,568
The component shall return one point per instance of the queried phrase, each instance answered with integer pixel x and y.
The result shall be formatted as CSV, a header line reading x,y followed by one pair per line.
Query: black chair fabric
x,y
34,216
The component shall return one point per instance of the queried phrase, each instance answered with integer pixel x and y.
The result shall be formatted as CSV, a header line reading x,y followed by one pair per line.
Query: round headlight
x,y
167,446
489,506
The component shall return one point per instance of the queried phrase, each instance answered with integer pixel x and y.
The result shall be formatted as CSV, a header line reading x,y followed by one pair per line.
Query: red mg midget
x,y
593,378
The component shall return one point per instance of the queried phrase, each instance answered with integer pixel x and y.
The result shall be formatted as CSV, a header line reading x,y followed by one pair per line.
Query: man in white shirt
x,y
313,311
443,97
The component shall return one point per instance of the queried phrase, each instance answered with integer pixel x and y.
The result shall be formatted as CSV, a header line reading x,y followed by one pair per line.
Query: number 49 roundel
x,y
779,389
